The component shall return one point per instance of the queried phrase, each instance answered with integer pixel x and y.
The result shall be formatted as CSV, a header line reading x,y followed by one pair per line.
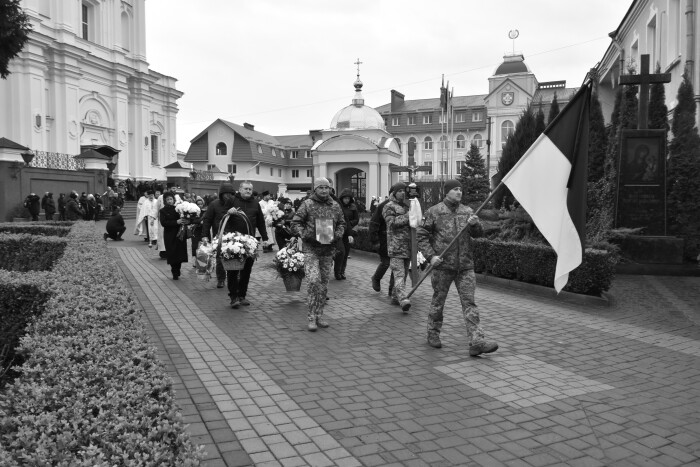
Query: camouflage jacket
x,y
441,224
398,231
304,223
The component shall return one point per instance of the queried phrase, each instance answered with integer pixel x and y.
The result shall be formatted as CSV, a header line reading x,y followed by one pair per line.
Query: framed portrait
x,y
642,157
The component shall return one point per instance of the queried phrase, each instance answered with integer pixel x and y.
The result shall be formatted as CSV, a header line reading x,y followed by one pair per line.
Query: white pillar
x,y
373,180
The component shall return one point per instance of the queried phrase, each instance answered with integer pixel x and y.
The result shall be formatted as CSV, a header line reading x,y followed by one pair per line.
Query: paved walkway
x,y
572,384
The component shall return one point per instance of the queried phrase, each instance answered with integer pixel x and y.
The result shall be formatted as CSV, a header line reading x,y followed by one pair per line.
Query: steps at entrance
x,y
129,210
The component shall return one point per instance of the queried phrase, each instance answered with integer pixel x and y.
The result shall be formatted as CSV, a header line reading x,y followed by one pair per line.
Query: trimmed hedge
x,y
24,252
531,262
22,296
91,390
535,264
48,228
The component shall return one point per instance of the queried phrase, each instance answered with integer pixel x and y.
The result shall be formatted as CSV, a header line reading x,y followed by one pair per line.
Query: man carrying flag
x,y
549,181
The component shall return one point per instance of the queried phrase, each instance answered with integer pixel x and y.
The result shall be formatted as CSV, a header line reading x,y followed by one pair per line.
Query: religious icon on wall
x,y
642,159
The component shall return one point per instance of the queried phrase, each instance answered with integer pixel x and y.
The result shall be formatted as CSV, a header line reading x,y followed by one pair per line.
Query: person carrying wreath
x,y
175,249
320,224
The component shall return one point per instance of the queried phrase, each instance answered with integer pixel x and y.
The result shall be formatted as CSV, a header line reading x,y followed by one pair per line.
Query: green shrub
x,y
535,264
91,390
22,296
24,252
47,228
362,241
17,211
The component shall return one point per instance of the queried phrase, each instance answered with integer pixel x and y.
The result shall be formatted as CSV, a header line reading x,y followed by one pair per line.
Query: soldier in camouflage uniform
x,y
318,257
398,239
441,224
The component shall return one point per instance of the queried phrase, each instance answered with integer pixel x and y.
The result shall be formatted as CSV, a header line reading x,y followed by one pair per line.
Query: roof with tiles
x,y
295,141
418,105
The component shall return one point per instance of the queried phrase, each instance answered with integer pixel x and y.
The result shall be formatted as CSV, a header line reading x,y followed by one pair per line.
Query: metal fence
x,y
57,160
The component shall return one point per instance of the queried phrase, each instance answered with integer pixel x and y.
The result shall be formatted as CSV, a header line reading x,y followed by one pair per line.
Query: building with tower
x,y
478,119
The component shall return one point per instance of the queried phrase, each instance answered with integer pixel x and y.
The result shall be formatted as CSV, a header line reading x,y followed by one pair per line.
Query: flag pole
x,y
454,240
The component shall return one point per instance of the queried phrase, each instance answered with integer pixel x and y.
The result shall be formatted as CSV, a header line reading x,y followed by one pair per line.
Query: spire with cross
x,y
358,63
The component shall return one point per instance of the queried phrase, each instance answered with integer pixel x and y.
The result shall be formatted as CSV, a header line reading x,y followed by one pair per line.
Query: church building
x,y
82,81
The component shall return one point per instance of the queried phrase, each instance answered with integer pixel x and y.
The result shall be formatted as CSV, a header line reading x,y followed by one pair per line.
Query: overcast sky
x,y
287,66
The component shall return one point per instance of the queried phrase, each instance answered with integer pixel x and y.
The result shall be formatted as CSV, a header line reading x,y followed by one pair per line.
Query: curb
x,y
569,297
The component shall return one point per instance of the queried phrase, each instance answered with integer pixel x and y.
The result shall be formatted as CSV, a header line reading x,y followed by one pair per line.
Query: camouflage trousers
x,y
465,281
318,271
399,268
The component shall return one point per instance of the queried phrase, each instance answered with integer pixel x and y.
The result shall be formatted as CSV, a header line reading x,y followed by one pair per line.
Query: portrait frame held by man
x,y
641,176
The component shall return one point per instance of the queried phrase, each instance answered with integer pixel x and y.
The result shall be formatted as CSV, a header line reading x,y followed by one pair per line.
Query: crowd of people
x,y
325,222
87,206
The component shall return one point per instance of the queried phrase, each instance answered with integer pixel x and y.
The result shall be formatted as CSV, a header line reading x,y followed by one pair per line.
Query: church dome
x,y
357,116
512,64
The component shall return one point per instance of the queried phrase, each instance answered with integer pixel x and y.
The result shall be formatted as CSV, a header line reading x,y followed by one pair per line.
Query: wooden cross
x,y
358,63
411,169
644,79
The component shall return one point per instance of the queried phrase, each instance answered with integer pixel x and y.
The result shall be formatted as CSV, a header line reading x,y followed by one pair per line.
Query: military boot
x,y
482,346
434,339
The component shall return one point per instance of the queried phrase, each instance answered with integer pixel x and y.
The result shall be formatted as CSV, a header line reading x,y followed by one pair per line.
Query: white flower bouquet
x,y
271,213
188,211
235,245
289,260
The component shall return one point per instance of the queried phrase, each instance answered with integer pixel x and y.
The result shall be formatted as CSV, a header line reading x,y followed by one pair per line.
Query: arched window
x,y
478,141
221,149
428,143
507,129
461,142
126,31
259,149
444,143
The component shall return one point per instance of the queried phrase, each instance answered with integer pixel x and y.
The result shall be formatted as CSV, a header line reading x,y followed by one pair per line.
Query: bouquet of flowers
x,y
271,213
235,245
289,260
187,211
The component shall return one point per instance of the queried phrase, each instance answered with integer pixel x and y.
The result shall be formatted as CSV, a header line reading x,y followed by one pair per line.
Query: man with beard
x,y
229,202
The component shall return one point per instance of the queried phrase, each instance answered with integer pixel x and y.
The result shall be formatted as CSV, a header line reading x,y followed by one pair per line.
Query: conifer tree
x,y
14,33
540,125
658,112
517,143
553,109
597,141
683,183
475,185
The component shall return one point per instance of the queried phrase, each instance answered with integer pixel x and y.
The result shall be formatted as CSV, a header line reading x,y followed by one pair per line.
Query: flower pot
x,y
292,282
233,264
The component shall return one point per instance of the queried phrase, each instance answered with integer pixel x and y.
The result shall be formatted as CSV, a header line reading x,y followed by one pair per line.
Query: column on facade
x,y
373,180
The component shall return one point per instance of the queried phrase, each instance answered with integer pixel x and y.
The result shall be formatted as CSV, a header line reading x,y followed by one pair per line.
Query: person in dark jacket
x,y
73,210
441,224
50,207
230,202
62,207
352,218
33,203
175,248
115,226
283,225
197,230
377,235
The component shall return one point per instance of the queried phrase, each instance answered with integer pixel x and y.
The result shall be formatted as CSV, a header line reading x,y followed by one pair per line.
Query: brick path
x,y
572,384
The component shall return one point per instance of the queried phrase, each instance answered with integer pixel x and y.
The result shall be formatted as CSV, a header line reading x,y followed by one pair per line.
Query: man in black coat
x,y
377,235
115,226
229,201
33,203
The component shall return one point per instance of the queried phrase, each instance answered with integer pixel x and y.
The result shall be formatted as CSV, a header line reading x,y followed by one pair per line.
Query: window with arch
x,y
507,129
428,143
478,140
444,143
259,149
126,30
461,142
220,149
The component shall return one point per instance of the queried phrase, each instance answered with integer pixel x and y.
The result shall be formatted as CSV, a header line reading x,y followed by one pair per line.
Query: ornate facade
x,y
83,80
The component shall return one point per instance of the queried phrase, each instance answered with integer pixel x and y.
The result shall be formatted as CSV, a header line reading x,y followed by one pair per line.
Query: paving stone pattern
x,y
572,384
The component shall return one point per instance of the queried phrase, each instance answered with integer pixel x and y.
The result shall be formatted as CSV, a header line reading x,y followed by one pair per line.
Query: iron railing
x,y
57,160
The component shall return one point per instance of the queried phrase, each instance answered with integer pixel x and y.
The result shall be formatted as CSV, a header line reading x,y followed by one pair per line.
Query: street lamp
x,y
16,167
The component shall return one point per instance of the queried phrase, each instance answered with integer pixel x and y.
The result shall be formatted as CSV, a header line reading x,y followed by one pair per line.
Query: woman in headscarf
x,y
176,249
